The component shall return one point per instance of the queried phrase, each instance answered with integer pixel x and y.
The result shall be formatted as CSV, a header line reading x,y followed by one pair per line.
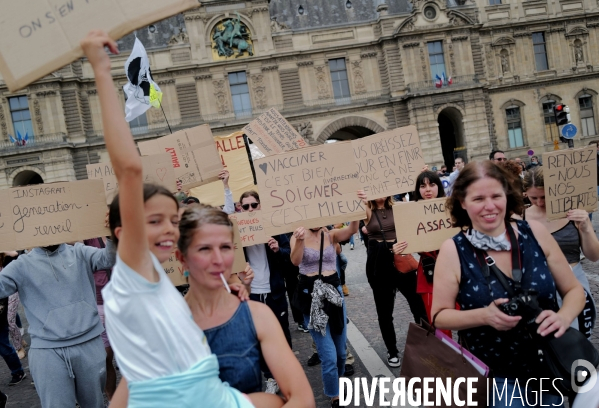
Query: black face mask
x,y
314,229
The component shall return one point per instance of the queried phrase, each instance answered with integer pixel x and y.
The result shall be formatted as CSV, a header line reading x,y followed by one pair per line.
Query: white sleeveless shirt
x,y
150,326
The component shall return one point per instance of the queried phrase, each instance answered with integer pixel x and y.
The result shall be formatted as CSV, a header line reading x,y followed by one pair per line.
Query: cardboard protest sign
x,y
50,214
272,134
423,224
234,158
570,181
240,262
193,155
157,169
42,36
388,162
250,227
309,187
174,270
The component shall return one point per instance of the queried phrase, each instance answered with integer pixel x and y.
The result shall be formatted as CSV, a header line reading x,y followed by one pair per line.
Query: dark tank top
x,y
237,348
569,242
510,353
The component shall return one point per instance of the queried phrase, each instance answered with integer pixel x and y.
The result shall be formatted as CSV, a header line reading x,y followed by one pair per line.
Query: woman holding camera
x,y
481,205
573,234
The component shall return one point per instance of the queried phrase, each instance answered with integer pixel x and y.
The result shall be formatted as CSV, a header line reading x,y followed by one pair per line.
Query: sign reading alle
x,y
389,162
250,227
193,155
273,134
42,36
423,224
234,158
309,187
50,214
157,169
570,178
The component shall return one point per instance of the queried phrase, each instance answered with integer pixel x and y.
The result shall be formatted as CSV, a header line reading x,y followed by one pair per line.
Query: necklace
x,y
383,212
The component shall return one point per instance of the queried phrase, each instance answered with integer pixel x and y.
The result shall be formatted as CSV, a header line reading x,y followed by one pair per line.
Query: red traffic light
x,y
559,108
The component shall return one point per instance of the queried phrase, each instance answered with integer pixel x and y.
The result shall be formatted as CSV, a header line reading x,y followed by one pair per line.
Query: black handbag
x,y
558,355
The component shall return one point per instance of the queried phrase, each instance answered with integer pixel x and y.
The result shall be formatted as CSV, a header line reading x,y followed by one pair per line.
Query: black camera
x,y
524,304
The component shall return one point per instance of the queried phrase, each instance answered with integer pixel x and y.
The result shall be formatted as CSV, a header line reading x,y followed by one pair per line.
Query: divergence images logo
x,y
582,376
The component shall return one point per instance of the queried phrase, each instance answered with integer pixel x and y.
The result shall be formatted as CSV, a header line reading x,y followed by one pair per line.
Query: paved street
x,y
361,311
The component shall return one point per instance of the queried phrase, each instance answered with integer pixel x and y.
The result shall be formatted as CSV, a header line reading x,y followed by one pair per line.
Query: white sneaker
x,y
271,386
393,361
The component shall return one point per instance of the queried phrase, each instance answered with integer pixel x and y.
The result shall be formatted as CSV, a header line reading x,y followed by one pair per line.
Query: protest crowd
x,y
185,308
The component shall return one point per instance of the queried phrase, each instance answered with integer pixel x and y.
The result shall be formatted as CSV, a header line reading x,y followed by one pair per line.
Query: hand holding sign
x,y
570,181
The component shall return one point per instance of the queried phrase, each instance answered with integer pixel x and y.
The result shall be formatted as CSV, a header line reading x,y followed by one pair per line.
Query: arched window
x,y
587,116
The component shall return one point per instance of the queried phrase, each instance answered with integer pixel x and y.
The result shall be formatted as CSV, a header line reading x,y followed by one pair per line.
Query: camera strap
x,y
488,264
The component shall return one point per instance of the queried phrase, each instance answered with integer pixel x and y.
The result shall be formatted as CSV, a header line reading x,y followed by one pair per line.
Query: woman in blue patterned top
x,y
482,204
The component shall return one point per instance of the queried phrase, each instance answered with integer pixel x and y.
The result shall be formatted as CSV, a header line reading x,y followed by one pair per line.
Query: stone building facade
x,y
472,75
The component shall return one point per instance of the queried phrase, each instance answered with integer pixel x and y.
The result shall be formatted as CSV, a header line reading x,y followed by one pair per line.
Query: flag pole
x,y
169,126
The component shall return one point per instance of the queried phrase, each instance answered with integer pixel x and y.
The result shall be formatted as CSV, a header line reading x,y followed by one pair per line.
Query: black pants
x,y
385,281
279,308
291,280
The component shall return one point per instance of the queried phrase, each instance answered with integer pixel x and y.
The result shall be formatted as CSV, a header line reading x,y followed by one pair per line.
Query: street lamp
x,y
300,10
348,4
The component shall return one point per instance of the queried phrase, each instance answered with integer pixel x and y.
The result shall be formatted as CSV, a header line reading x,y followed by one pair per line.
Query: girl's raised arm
x,y
133,245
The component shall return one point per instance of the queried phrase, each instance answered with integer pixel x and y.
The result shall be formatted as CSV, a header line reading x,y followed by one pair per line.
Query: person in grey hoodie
x,y
57,290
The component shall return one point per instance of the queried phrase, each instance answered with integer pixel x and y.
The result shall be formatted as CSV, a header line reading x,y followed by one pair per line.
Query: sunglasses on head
x,y
247,206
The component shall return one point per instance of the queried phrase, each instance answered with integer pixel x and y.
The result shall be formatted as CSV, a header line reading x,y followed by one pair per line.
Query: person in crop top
x,y
305,253
573,234
382,276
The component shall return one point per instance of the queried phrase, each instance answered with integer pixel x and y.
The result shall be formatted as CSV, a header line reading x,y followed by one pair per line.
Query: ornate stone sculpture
x,y
180,38
321,83
505,63
220,96
304,129
259,91
359,85
275,26
578,55
232,34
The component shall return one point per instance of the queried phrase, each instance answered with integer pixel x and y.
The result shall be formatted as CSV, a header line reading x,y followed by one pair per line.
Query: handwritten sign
x,y
234,158
310,187
389,162
193,155
423,224
50,214
273,134
240,262
174,270
40,36
570,181
250,227
157,169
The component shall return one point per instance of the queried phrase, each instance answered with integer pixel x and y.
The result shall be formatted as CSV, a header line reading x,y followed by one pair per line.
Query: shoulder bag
x,y
403,263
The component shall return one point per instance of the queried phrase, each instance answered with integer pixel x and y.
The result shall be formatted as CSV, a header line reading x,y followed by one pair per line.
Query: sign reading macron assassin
x,y
309,187
423,224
